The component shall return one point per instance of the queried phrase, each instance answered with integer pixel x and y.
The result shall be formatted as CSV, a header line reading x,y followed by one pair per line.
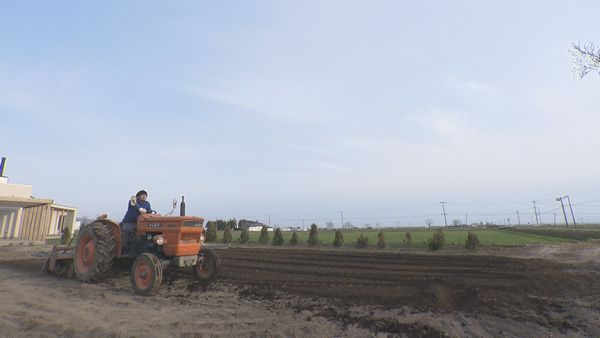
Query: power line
x,y
587,207
487,203
596,200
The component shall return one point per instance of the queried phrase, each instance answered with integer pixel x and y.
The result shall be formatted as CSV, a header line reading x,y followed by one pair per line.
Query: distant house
x,y
259,228
246,224
24,217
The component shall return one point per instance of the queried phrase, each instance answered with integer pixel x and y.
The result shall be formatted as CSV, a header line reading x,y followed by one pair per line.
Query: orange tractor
x,y
158,242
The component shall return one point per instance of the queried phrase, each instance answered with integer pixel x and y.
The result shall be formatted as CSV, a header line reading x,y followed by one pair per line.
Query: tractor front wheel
x,y
208,266
146,274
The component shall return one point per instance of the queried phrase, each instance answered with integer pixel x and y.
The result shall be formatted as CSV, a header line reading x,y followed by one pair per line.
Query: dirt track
x,y
285,292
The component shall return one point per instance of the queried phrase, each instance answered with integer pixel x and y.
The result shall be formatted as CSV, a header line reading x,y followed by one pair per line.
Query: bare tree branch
x,y
586,59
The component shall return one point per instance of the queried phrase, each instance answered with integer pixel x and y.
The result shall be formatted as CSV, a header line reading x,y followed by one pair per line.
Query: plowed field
x,y
303,292
550,294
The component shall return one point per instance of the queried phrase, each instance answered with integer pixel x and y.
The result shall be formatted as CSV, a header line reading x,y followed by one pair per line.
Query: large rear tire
x,y
208,266
146,274
94,252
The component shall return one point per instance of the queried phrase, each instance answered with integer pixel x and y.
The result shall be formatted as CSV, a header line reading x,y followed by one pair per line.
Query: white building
x,y
26,218
258,228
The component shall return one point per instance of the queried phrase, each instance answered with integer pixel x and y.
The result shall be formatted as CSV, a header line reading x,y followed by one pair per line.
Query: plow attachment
x,y
60,261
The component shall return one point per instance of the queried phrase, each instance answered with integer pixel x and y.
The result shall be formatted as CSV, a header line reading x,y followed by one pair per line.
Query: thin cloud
x,y
276,100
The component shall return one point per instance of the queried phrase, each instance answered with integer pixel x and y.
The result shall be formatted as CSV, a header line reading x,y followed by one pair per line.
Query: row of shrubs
x,y
437,241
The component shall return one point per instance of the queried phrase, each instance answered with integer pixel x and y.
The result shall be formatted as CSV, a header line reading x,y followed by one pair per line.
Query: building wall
x,y
61,219
20,220
14,190
9,221
55,222
35,223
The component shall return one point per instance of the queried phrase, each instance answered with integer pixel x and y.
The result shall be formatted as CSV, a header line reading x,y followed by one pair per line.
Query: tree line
x,y
437,241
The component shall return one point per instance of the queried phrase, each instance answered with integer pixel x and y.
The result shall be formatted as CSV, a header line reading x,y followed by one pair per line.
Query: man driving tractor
x,y
157,242
137,205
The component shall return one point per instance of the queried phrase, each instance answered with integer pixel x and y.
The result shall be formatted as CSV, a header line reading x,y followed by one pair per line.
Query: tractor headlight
x,y
159,240
202,238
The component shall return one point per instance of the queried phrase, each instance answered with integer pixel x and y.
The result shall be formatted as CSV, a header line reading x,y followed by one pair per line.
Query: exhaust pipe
x,y
182,207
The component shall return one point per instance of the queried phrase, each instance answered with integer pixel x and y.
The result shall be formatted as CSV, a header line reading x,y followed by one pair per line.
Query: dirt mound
x,y
577,253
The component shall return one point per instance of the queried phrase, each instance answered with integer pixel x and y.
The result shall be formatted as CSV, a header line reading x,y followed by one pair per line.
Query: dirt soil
x,y
539,291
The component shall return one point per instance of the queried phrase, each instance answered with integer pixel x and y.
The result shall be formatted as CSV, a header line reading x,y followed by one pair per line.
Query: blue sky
x,y
301,109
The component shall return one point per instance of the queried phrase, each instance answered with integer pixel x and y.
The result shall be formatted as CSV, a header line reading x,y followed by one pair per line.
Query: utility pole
x,y
537,221
563,209
303,224
444,210
554,218
342,216
518,218
269,220
466,219
572,214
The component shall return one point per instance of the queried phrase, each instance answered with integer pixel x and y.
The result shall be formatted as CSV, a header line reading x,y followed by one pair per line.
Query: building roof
x,y
21,202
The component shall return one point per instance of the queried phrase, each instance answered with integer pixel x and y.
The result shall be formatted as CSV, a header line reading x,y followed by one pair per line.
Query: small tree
x,y
381,240
211,233
278,237
264,235
429,222
294,239
227,235
408,240
313,236
586,59
232,223
339,239
84,220
437,241
456,222
66,236
245,236
362,241
472,241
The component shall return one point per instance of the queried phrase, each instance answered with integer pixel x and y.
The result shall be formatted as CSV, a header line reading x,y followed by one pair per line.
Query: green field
x,y
395,237
574,234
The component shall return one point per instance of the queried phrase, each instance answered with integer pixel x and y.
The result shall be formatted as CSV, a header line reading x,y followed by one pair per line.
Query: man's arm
x,y
146,206
143,207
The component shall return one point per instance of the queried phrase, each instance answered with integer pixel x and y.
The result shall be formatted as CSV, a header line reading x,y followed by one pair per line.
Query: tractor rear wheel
x,y
146,274
94,252
208,266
